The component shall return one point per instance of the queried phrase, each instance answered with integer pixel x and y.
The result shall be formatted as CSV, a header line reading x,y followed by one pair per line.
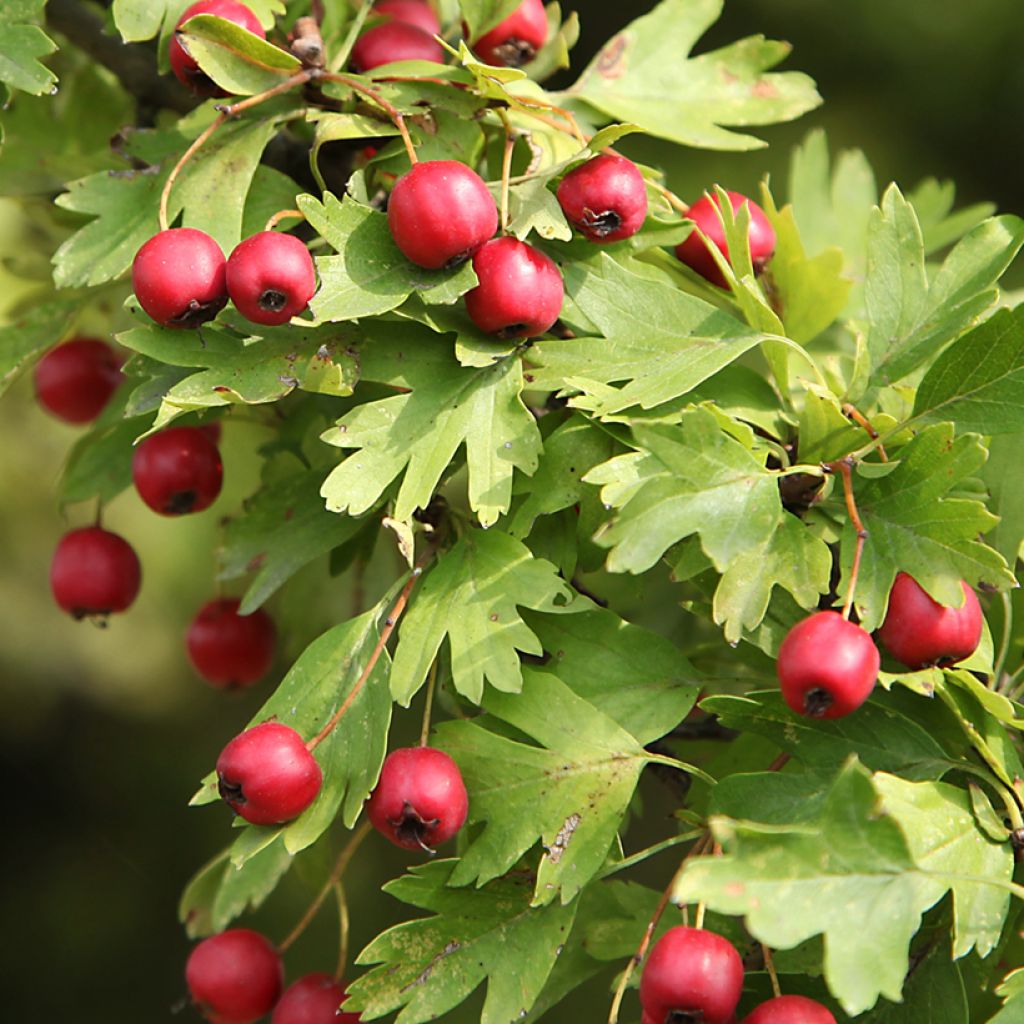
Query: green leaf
x,y
1006,494
483,15
934,992
100,463
534,207
22,43
40,327
472,597
138,20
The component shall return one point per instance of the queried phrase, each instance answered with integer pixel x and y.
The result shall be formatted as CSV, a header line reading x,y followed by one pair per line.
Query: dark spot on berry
x,y
817,702
601,224
514,53
180,503
197,313
412,829
230,792
510,332
273,301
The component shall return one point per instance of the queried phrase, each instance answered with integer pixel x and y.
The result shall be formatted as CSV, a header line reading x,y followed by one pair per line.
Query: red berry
x,y
420,800
440,213
412,12
234,977
183,64
94,572
178,278
920,632
267,774
516,40
605,199
227,649
177,471
705,215
790,1010
270,277
691,972
393,41
827,666
313,999
74,381
520,293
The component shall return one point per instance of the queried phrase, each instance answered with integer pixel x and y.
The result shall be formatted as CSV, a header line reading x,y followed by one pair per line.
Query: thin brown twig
x,y
844,468
769,964
396,117
200,140
862,421
283,215
506,168
671,198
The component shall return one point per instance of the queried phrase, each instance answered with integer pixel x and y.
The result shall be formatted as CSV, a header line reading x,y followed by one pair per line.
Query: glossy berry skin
x,y
177,471
605,199
394,41
270,278
920,632
94,572
420,800
229,650
74,381
520,293
516,40
704,214
184,66
440,213
267,775
178,278
827,666
234,977
691,971
313,999
412,12
790,1010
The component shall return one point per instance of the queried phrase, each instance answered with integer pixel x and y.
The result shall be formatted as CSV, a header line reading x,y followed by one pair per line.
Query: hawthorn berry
x,y
94,572
313,999
394,41
516,40
234,977
267,774
705,215
270,277
184,65
920,632
827,666
229,650
790,1010
691,974
412,12
520,293
605,199
178,278
420,800
74,381
177,471
440,213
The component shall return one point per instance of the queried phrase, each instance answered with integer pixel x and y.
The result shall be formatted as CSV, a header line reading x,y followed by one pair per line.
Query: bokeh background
x,y
104,732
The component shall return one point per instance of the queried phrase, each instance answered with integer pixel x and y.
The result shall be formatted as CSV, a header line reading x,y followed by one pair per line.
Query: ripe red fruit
x,y
229,650
270,277
74,381
705,215
183,64
313,999
177,471
605,199
920,632
267,775
520,293
393,41
516,40
412,12
440,213
178,278
94,572
691,972
790,1010
234,977
420,800
827,666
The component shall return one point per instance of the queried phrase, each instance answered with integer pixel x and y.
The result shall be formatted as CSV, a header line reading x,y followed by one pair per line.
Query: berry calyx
x,y
827,666
270,277
705,215
267,775
313,999
440,213
520,293
790,1010
74,381
920,632
178,278
234,977
394,41
516,40
412,12
605,199
691,975
184,65
420,800
94,572
229,650
177,471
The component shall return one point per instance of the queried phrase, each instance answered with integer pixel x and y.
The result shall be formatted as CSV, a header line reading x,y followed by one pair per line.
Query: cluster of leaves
x,y
671,430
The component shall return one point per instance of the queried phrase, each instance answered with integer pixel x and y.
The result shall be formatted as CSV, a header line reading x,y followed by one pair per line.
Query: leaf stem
x,y
283,215
429,705
343,929
397,119
769,964
862,421
182,160
650,851
844,468
1004,643
506,168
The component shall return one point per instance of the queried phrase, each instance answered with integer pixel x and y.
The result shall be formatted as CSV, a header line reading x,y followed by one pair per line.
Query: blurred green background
x,y
104,732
